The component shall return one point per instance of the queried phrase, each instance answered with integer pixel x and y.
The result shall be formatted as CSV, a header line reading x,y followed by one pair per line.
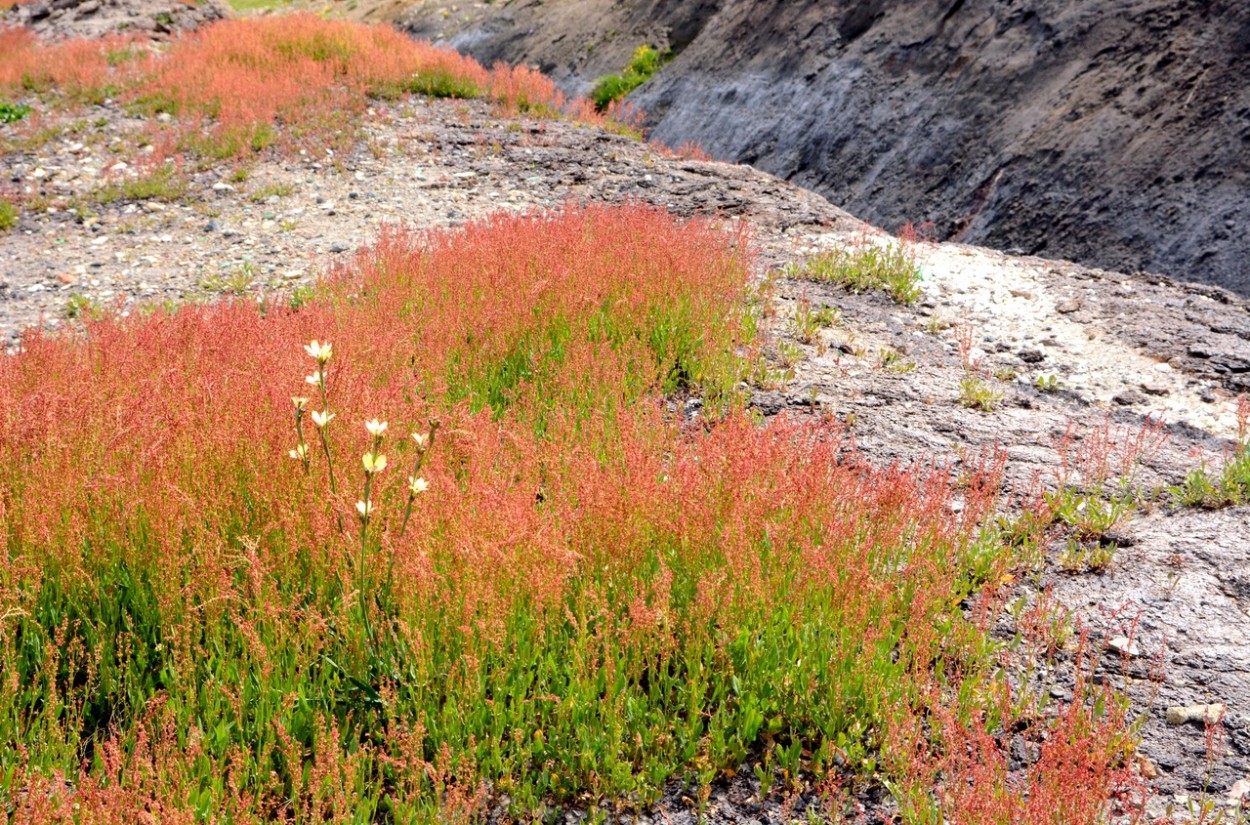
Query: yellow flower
x,y
375,427
299,401
321,418
319,351
365,508
300,453
374,462
422,439
417,486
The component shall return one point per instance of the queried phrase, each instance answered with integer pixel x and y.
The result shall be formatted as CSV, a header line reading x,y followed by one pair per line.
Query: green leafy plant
x,y
808,321
1047,383
82,306
13,112
611,88
892,360
978,395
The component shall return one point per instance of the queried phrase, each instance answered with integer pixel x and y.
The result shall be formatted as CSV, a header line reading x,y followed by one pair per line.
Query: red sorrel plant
x,y
238,87
596,601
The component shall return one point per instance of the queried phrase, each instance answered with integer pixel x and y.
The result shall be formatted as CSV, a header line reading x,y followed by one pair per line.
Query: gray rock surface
x,y
1115,133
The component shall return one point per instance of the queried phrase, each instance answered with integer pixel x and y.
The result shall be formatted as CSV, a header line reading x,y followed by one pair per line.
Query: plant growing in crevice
x,y
974,392
645,62
1095,489
1230,485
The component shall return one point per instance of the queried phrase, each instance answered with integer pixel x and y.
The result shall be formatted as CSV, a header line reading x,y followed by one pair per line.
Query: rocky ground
x,y
158,19
1139,361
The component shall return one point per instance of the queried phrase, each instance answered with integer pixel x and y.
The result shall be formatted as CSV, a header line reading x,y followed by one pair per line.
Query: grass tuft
x,y
866,266
8,214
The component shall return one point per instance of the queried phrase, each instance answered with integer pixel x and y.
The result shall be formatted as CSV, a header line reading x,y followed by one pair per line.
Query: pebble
x,y
1195,714
1123,646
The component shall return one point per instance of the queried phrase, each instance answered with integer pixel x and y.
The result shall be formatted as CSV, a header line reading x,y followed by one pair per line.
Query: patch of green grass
x,y
611,88
438,82
257,5
862,267
8,214
271,190
161,185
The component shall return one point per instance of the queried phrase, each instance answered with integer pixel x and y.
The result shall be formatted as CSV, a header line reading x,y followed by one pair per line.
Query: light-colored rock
x,y
1195,714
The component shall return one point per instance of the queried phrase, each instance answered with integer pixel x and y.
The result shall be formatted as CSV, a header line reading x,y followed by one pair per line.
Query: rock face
x,y
1111,132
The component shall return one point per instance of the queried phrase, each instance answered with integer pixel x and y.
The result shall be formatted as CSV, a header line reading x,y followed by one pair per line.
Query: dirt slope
x,y
1115,133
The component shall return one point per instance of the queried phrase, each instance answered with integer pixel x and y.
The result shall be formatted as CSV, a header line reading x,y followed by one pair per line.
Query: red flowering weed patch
x,y
238,86
592,599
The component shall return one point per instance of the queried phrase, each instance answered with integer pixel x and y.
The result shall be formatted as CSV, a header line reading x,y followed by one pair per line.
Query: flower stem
x,y
299,433
421,454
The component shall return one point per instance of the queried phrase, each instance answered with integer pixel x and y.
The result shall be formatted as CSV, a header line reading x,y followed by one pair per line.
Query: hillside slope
x,y
1114,133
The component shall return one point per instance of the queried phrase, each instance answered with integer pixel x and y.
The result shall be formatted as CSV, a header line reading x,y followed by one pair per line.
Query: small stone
x,y
1067,306
1032,356
1147,768
1207,394
1123,646
212,226
1195,714
1239,793
221,186
339,247
1128,398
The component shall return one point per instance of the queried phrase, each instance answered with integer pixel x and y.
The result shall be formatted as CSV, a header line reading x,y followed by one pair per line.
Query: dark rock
x,y
1067,306
1227,362
1032,356
1129,398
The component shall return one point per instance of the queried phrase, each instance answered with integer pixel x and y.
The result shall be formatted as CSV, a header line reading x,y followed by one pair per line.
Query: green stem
x,y
299,433
362,576
421,454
